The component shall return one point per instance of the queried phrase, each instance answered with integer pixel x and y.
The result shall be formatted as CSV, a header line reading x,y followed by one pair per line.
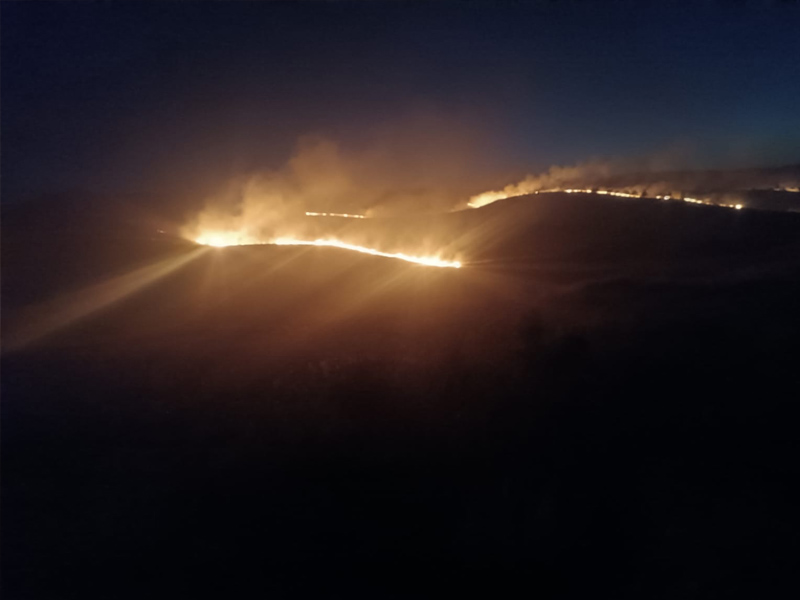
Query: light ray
x,y
44,319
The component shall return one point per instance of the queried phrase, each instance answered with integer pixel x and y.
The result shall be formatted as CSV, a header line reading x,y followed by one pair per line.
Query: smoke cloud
x,y
645,179
425,164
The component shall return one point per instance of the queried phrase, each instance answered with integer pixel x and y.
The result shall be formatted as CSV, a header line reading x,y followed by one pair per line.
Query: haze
x,y
402,300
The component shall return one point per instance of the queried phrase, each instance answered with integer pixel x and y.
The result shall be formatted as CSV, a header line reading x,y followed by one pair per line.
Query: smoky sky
x,y
180,97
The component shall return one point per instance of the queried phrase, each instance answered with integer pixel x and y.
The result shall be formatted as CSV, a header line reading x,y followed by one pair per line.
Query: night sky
x,y
254,345
179,96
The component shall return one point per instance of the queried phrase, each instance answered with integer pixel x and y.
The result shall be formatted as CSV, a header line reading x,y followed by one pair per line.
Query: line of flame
x,y
490,197
222,240
428,261
343,215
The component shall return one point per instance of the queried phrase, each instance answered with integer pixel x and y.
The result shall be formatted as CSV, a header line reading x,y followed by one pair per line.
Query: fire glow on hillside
x,y
223,239
340,215
490,197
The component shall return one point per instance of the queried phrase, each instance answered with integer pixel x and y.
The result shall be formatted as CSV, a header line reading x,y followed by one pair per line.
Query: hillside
x,y
603,376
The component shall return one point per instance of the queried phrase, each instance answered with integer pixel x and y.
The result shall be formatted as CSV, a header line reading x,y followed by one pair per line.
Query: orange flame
x,y
223,239
343,215
491,197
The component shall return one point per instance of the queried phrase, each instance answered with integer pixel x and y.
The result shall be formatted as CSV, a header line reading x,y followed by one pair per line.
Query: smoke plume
x,y
724,187
426,164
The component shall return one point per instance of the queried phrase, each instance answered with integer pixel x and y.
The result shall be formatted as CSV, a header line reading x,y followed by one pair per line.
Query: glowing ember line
x,y
343,215
221,240
490,197
428,261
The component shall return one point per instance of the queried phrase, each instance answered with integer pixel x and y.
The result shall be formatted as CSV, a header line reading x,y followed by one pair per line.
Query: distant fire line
x,y
342,215
491,197
667,197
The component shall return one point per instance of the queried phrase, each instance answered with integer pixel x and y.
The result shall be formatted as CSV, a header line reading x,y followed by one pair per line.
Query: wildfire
x,y
341,215
428,261
222,239
490,197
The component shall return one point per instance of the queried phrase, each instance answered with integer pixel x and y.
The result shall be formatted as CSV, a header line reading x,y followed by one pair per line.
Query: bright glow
x,y
231,239
510,191
428,261
601,192
342,215
220,239
488,198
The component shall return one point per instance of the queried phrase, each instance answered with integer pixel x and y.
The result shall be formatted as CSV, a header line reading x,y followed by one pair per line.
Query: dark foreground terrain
x,y
602,403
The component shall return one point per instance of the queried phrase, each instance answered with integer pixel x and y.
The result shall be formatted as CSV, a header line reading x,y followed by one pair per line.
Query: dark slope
x,y
601,402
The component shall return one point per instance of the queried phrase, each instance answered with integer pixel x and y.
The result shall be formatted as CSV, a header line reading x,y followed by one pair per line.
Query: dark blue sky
x,y
116,96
